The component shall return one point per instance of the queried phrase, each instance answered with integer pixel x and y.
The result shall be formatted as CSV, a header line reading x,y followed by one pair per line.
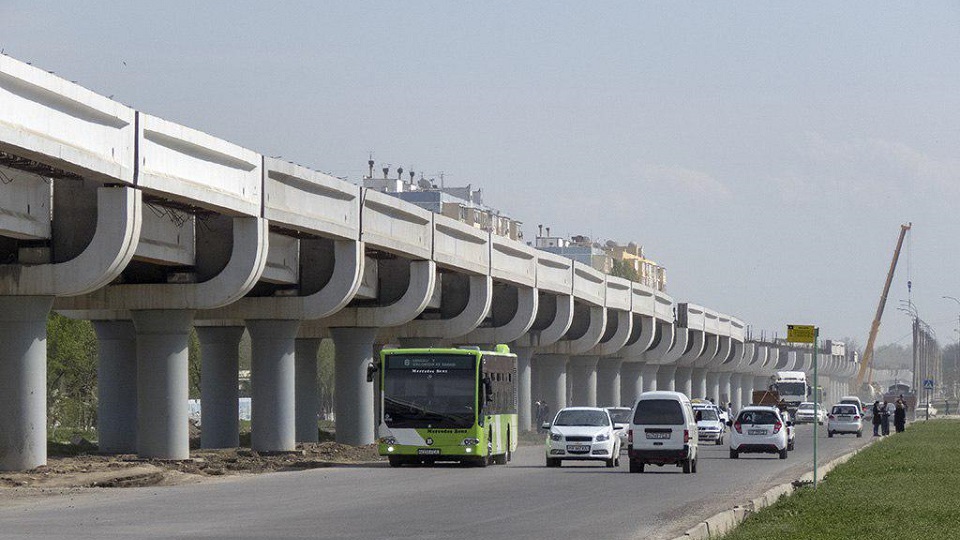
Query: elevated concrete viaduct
x,y
149,229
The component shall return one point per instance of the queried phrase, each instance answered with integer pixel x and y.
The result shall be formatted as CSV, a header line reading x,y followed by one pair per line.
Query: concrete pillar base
x,y
631,383
553,381
582,371
116,387
683,381
608,381
699,383
713,387
307,401
724,389
524,389
162,390
648,376
354,396
735,391
23,381
219,395
273,423
666,377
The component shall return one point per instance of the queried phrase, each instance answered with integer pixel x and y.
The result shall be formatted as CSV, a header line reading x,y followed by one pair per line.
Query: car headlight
x,y
556,436
603,437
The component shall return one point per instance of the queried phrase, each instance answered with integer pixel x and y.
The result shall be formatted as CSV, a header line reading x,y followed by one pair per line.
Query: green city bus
x,y
448,404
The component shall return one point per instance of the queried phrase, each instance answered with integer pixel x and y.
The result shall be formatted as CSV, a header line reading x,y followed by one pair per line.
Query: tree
x,y
71,373
623,269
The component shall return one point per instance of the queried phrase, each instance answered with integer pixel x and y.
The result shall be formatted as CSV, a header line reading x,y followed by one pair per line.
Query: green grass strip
x,y
903,487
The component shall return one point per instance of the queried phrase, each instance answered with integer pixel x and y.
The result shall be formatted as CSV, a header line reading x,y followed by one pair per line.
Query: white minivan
x,y
663,431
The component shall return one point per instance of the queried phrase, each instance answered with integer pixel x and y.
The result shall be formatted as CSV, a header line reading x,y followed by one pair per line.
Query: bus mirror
x,y
372,370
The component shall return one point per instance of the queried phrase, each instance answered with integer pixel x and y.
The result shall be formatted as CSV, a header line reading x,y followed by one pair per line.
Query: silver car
x,y
844,419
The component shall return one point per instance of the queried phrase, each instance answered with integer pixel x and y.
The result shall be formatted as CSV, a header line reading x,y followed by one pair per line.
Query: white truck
x,y
792,388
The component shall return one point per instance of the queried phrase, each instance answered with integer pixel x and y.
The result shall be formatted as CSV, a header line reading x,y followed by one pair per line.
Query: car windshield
x,y
808,406
581,417
707,415
620,416
654,412
758,417
845,409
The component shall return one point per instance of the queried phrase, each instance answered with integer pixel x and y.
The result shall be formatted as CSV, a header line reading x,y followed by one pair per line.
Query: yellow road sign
x,y
801,333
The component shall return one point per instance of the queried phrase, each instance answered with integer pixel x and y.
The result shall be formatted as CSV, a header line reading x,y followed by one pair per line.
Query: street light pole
x,y
956,366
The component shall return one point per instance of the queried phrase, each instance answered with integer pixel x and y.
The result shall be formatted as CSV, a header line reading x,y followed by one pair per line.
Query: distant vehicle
x,y
448,405
845,418
853,400
759,429
663,431
621,423
792,388
709,426
807,414
582,433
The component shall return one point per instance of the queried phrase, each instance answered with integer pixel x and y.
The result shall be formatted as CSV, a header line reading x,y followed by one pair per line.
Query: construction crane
x,y
875,327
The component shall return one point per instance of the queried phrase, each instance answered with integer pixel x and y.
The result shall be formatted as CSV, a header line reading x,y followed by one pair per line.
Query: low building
x,y
610,258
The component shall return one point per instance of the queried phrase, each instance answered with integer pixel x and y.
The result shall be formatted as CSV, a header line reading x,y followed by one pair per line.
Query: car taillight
x,y
776,427
686,436
856,417
630,436
830,416
736,426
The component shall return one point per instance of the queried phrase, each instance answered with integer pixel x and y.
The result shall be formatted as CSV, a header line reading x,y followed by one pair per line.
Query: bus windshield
x,y
429,391
792,389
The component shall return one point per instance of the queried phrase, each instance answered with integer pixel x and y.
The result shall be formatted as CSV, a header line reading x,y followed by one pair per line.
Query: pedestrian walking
x,y
539,415
900,416
885,418
876,418
546,412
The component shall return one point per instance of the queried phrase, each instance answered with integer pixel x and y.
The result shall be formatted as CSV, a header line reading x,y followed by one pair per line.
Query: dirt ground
x,y
78,465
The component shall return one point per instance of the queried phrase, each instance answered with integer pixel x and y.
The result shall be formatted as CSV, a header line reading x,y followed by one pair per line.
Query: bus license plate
x,y
428,451
658,435
578,448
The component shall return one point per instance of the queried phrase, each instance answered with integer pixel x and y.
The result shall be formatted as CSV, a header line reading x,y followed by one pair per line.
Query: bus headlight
x,y
470,442
389,449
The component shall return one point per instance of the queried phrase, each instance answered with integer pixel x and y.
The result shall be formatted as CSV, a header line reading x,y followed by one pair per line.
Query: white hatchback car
x,y
621,423
805,413
709,425
582,433
759,430
844,418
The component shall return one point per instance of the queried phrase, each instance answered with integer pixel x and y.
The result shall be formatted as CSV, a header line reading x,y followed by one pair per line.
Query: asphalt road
x,y
523,499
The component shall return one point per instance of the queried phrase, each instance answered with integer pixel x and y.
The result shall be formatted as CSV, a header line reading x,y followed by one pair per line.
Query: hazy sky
x,y
765,153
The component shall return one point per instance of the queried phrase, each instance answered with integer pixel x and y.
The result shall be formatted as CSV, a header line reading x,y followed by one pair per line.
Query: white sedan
x,y
582,433
844,419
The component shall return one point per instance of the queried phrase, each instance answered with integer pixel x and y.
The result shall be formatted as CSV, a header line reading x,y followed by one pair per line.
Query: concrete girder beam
x,y
642,335
515,321
475,299
61,124
412,302
554,317
245,265
119,215
585,332
618,331
347,260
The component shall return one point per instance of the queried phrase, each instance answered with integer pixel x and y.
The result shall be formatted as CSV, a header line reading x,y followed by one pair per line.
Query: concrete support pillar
x,y
631,383
724,393
354,396
736,395
713,386
524,389
760,383
582,371
608,382
307,400
219,392
746,390
162,387
23,381
684,380
699,383
666,377
273,424
116,387
553,380
648,377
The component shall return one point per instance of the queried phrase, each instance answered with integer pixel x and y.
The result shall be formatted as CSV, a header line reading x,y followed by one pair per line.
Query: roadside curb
x,y
724,522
